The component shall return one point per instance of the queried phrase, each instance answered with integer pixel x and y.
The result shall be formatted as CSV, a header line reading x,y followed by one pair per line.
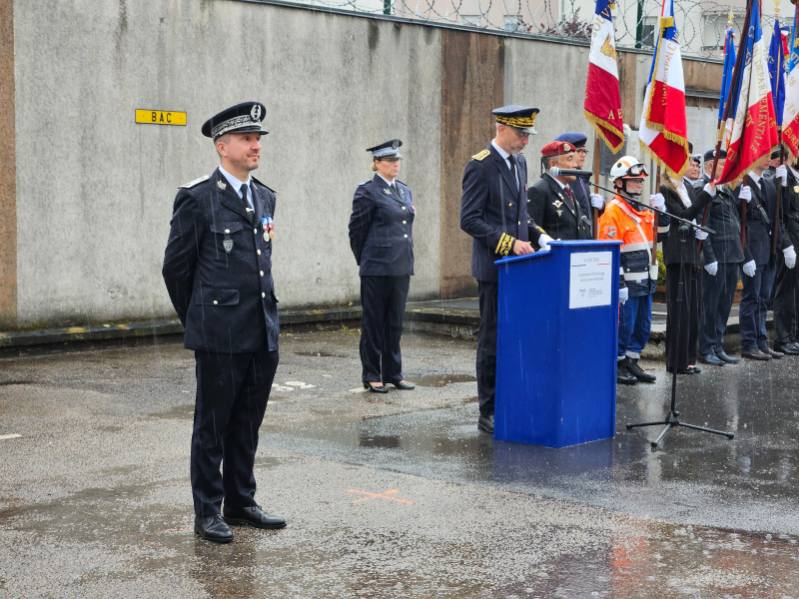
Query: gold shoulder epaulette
x,y
197,181
482,155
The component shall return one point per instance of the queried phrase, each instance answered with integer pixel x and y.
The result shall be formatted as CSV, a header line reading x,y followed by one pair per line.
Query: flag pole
x,y
595,211
775,234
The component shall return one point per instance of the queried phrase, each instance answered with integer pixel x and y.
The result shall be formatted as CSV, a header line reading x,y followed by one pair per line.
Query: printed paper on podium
x,y
590,279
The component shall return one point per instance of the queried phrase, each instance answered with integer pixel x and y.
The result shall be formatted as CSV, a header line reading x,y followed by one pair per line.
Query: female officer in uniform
x,y
381,237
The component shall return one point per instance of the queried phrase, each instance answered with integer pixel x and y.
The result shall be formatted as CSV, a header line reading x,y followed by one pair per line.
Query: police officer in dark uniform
x,y
494,214
759,262
218,271
588,201
381,237
552,203
722,256
786,286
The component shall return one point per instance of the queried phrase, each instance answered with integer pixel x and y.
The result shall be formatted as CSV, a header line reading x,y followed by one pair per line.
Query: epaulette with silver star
x,y
197,181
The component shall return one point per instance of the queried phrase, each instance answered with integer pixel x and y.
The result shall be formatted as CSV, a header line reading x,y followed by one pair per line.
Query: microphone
x,y
556,172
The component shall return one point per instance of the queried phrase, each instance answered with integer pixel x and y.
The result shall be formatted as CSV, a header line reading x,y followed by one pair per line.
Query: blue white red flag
x,y
726,75
663,132
790,112
754,130
602,106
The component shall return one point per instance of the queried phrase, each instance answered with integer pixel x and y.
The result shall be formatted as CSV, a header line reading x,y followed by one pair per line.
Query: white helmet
x,y
627,167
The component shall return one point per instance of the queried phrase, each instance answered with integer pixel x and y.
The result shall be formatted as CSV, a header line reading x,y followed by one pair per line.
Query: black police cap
x,y
387,149
711,154
241,118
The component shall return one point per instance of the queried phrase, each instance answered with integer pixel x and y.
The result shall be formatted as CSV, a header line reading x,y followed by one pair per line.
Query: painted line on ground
x,y
11,436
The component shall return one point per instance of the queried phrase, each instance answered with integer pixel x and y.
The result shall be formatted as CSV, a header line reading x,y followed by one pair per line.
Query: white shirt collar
x,y
499,150
389,183
755,177
556,180
234,182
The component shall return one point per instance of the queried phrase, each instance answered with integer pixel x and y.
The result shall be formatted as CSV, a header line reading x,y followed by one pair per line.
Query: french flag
x,y
602,106
790,112
754,130
663,132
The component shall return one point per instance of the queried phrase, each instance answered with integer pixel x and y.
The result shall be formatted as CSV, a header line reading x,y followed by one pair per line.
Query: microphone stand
x,y
672,419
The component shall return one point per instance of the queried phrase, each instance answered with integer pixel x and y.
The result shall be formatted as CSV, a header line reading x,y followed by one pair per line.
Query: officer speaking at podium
x,y
494,214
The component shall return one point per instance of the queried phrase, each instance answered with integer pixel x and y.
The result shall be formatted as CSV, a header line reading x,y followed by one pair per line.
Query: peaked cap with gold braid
x,y
518,117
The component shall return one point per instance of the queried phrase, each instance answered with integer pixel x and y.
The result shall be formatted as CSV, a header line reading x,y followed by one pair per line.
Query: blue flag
x,y
726,76
776,71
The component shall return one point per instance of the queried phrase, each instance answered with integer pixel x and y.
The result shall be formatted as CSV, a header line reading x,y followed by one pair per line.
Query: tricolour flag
x,y
790,112
754,130
776,71
726,74
602,106
664,130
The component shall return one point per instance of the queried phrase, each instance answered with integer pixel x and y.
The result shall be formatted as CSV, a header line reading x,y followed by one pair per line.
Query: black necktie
x,y
512,161
247,206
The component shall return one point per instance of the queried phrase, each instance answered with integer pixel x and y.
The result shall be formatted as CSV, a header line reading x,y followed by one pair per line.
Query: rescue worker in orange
x,y
635,229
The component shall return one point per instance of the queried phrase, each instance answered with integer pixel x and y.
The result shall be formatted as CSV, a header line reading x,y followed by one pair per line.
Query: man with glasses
x,y
494,214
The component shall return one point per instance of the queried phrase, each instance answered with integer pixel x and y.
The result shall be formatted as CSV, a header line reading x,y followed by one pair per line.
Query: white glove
x,y
710,189
624,295
781,173
712,268
700,234
597,201
745,193
790,256
657,200
749,268
543,242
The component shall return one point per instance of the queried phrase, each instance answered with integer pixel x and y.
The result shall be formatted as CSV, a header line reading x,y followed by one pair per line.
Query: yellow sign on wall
x,y
147,116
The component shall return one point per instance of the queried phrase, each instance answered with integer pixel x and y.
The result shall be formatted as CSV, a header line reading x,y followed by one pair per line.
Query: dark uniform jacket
x,y
494,210
381,228
724,217
680,245
583,194
759,219
549,207
218,267
790,209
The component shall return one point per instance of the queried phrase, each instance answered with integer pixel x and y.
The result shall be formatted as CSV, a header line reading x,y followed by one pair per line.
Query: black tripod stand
x,y
672,418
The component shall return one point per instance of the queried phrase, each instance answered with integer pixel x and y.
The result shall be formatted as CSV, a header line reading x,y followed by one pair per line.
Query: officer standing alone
x,y
494,214
218,271
381,238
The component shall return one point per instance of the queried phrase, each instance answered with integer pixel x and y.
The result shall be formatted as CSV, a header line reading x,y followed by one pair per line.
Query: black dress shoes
x,y
375,388
712,359
726,357
773,353
486,424
755,354
404,385
253,516
789,349
213,528
634,369
623,376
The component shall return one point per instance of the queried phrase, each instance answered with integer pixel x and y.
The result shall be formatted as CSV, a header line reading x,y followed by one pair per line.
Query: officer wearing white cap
x,y
494,214
381,238
218,271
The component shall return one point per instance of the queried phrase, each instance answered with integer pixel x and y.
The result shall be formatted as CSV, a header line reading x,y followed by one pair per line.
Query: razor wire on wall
x,y
701,23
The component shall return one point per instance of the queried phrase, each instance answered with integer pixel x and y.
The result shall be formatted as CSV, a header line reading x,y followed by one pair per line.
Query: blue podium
x,y
556,344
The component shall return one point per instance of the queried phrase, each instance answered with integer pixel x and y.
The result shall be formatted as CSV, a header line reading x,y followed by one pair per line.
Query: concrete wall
x,y
85,212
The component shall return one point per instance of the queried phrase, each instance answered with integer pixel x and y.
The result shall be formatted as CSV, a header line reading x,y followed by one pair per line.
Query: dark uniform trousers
x,y
381,238
757,290
217,269
232,393
493,214
786,286
723,247
383,301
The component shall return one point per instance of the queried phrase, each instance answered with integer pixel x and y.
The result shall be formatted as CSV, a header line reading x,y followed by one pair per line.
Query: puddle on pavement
x,y
442,380
178,412
320,354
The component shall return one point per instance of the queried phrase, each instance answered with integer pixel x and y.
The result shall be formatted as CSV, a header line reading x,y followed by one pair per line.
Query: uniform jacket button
x,y
263,294
215,302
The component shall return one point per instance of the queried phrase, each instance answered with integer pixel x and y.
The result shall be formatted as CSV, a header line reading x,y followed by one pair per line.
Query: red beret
x,y
557,148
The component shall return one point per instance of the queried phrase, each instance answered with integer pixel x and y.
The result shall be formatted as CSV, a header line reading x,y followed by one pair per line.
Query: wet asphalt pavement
x,y
392,496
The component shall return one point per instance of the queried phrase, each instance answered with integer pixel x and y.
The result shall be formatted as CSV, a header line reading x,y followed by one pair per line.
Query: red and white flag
x,y
663,132
602,106
754,130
